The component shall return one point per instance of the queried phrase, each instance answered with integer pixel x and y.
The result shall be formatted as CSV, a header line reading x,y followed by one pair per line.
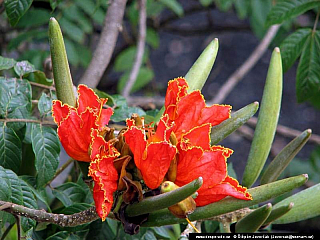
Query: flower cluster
x,y
177,149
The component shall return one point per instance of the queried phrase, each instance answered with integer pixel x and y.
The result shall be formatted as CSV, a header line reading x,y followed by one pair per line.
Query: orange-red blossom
x,y
190,120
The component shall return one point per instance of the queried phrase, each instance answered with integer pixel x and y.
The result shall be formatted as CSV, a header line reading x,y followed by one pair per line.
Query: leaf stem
x,y
316,22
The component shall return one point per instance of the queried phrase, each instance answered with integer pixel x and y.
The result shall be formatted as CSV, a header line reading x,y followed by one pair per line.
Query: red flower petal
x,y
163,130
105,177
214,114
194,163
153,156
155,163
177,89
198,136
99,146
134,137
87,98
104,117
220,191
60,111
74,133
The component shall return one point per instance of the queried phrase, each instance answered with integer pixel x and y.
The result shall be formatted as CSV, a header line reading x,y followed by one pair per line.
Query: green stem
x,y
164,200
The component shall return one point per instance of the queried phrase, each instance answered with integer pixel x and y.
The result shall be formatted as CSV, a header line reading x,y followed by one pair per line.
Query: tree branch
x,y
140,49
62,220
246,66
102,55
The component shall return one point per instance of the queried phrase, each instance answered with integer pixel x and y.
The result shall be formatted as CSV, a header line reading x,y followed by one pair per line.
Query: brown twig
x,y
245,67
42,86
286,131
102,55
140,49
27,121
62,220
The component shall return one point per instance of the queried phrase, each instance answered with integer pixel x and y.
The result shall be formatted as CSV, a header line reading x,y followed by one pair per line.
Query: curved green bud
x,y
267,121
306,205
259,194
237,119
164,200
60,65
278,212
282,160
200,70
254,220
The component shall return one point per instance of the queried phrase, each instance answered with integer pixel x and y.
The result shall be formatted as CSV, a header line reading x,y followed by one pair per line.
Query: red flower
x,y
189,110
192,127
104,174
76,123
152,156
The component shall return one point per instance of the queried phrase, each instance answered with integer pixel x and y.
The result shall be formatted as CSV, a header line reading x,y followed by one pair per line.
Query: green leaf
x,y
286,9
315,100
259,11
281,161
174,6
10,148
15,100
253,221
23,67
34,17
267,121
40,77
126,58
292,46
69,193
36,34
75,14
89,7
103,230
152,38
46,147
242,8
206,3
63,235
306,205
308,73
224,5
5,185
6,63
20,194
162,232
149,235
145,75
124,112
54,4
45,105
71,30
15,9
237,119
